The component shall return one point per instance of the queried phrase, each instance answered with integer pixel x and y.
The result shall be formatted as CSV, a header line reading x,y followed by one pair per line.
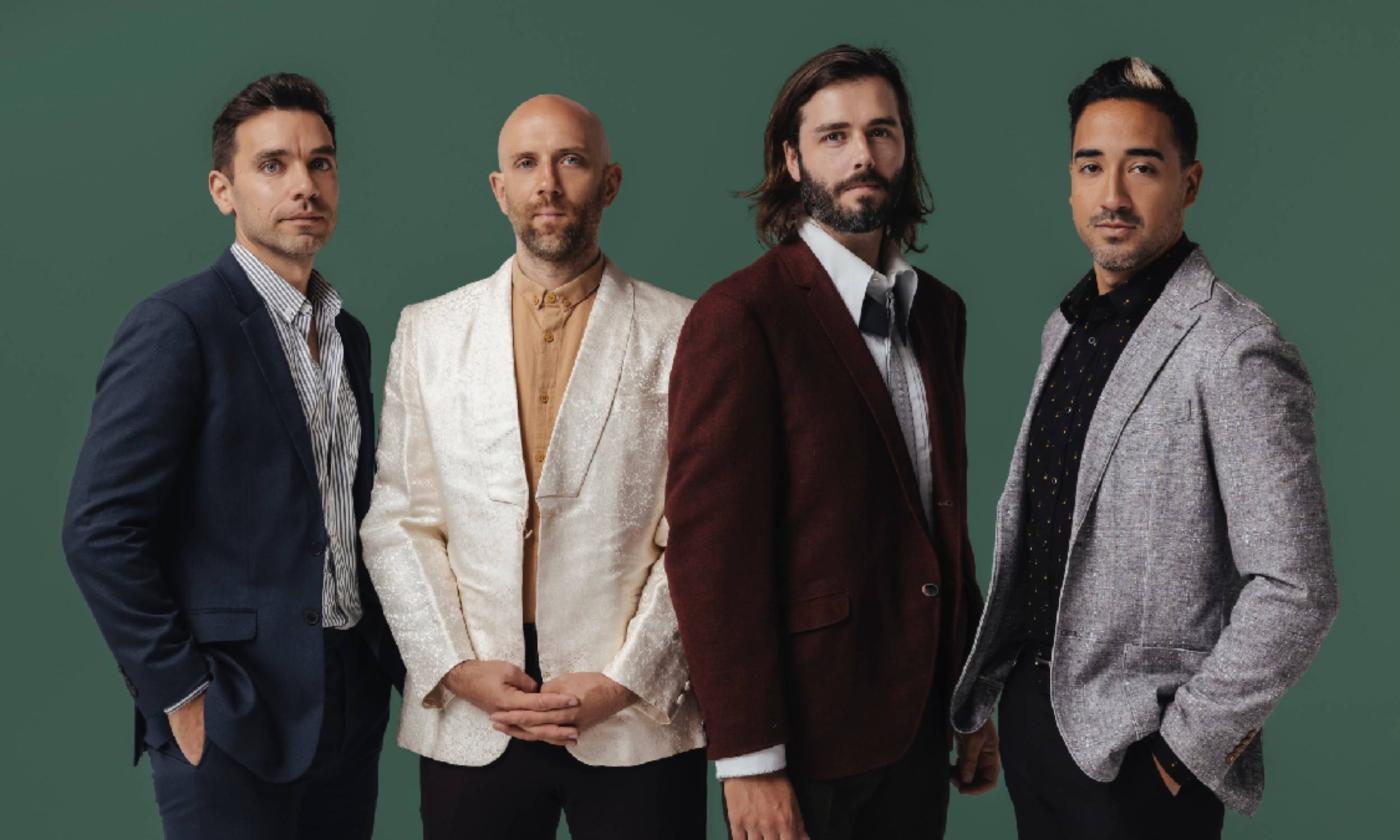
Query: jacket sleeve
x,y
650,663
720,502
1258,407
405,538
144,418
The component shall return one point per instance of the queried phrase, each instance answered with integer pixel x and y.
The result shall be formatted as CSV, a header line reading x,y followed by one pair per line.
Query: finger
x,y
554,734
538,702
523,717
515,732
517,678
967,761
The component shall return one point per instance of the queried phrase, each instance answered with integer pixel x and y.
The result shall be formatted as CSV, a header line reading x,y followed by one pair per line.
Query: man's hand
x,y
1173,786
187,724
599,698
763,807
495,686
979,761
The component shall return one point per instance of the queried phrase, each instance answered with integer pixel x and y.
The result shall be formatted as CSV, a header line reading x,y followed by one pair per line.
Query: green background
x,y
104,149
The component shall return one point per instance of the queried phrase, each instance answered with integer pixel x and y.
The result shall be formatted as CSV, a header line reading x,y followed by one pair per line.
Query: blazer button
x,y
929,589
312,617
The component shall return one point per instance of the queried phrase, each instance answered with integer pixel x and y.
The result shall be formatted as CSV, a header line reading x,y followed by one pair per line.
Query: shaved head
x,y
555,179
550,113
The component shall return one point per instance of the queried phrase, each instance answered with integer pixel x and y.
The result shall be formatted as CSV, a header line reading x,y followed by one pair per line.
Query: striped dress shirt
x,y
332,418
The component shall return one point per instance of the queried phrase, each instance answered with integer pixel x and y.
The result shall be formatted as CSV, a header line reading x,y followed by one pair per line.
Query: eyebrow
x,y
1134,152
273,154
834,126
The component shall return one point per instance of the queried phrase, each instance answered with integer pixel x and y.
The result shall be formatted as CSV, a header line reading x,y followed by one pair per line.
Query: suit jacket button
x,y
929,589
312,617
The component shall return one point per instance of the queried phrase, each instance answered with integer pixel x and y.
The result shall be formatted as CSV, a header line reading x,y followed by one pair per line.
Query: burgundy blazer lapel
x,y
803,268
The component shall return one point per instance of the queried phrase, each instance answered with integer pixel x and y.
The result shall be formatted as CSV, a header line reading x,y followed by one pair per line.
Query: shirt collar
x,y
854,278
567,296
281,297
1132,299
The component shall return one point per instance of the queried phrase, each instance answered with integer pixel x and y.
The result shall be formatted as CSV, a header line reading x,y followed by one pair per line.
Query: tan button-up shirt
x,y
547,327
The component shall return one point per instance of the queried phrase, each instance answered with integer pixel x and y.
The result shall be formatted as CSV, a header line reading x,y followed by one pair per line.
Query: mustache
x,y
864,179
1122,217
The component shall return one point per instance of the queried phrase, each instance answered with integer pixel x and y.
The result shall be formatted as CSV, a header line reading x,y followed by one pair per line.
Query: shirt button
x,y
548,338
544,399
539,457
1093,341
535,299
930,590
551,297
311,617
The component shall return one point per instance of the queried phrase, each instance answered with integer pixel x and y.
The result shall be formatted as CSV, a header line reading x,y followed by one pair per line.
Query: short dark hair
x,y
1132,78
275,91
778,198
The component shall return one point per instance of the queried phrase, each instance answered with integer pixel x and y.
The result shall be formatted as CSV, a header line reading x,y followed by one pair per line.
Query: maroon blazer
x,y
817,607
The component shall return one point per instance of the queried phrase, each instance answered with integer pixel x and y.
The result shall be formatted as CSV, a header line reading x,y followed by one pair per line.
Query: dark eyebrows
x,y
832,126
1147,152
1134,152
887,121
324,150
269,154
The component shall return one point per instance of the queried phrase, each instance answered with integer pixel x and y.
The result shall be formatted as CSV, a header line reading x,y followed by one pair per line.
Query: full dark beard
x,y
821,204
568,243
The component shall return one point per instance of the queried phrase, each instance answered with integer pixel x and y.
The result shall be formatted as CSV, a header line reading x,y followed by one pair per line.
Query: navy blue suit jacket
x,y
194,525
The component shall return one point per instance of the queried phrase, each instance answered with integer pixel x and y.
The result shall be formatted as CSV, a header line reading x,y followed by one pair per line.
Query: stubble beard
x,y
1118,258
569,243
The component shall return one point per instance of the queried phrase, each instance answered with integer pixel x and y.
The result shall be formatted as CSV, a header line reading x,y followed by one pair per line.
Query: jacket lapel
x,y
806,271
493,411
355,355
1156,338
261,334
593,384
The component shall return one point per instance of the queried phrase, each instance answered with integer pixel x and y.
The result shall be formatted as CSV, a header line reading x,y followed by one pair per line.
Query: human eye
x,y
322,164
1088,168
571,160
271,166
833,136
525,163
1143,169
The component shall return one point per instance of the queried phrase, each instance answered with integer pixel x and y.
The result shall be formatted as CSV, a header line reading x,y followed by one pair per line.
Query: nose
x,y
860,147
303,185
548,183
1115,197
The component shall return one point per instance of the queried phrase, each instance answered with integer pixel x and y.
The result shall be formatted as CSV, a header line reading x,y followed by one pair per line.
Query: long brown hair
x,y
777,199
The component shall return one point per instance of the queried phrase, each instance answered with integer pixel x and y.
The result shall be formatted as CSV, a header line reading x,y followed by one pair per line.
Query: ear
x,y
1194,173
221,191
793,160
498,189
612,183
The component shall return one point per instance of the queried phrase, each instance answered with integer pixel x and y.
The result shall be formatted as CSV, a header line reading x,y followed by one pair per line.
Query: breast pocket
x,y
815,611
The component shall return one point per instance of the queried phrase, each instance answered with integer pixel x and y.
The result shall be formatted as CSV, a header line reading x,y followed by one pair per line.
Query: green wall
x,y
104,150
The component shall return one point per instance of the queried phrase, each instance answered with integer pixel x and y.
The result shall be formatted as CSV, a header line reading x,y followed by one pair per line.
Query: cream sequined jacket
x,y
444,534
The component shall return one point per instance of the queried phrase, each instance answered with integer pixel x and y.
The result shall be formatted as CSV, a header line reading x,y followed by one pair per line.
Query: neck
x,y
550,274
295,270
863,245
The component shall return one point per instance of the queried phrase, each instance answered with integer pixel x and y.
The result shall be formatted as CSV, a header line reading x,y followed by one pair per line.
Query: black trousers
x,y
520,795
906,799
222,800
1055,800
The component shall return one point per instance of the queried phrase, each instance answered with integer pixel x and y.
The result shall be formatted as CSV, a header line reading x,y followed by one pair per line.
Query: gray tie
x,y
895,378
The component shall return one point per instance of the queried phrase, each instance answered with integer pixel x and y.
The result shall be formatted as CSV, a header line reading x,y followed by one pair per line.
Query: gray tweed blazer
x,y
1199,582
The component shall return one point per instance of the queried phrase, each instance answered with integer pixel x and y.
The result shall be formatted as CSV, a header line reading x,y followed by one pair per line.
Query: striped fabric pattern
x,y
331,416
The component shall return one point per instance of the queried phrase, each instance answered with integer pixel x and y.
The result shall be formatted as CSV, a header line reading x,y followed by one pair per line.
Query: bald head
x,y
551,123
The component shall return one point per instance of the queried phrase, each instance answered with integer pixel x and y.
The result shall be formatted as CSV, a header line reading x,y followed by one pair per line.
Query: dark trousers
x,y
1055,800
222,800
520,795
906,799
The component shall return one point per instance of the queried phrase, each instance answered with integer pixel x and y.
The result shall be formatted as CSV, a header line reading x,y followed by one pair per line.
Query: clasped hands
x,y
555,712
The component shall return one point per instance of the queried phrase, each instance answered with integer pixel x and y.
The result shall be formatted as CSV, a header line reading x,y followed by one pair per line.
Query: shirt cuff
x,y
189,698
770,760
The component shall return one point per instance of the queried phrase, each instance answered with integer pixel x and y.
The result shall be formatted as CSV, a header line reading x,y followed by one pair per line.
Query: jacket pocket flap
x,y
217,625
819,611
1161,659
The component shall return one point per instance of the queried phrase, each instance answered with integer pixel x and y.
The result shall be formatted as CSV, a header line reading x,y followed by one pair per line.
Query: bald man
x,y
516,533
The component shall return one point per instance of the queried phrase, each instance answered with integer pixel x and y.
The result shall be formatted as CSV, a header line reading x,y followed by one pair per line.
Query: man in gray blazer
x,y
1163,569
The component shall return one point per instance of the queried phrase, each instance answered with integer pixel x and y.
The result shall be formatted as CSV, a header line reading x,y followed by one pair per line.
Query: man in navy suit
x,y
213,520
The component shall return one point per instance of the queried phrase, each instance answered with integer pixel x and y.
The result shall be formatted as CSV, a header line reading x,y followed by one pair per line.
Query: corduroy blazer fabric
x,y
1199,581
816,605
